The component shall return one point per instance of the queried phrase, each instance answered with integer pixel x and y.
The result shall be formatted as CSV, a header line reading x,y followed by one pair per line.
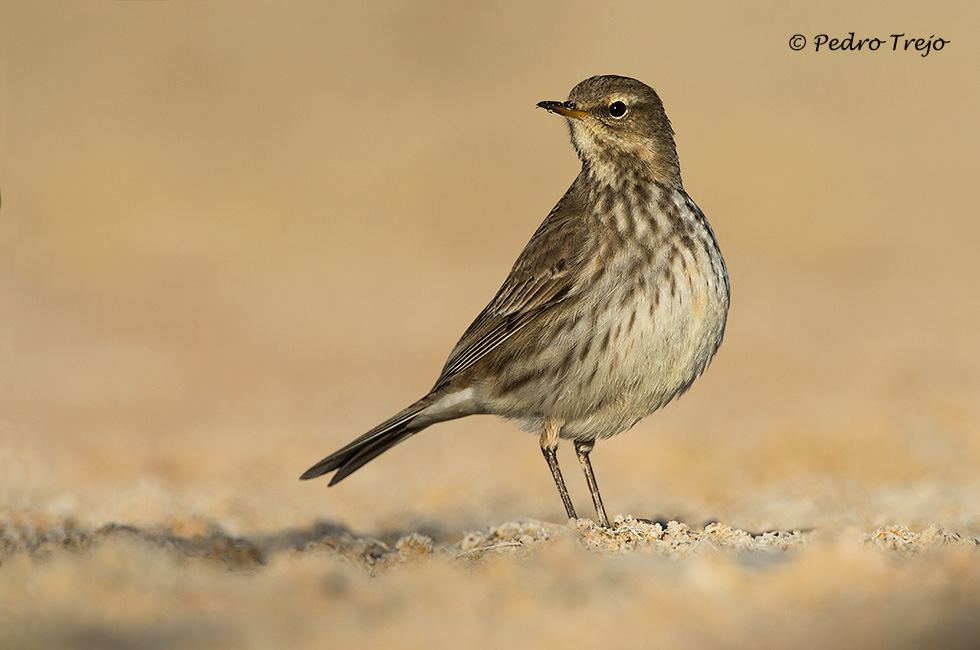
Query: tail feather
x,y
369,446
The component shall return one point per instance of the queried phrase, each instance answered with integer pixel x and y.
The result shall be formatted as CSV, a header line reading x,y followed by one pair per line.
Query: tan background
x,y
235,235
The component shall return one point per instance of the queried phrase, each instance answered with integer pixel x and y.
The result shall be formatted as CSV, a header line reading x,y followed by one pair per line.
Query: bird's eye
x,y
617,109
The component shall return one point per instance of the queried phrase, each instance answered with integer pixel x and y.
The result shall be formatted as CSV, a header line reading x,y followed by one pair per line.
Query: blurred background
x,y
236,235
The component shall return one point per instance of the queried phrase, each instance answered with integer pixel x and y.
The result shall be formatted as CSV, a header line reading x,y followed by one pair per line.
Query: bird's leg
x,y
584,448
549,445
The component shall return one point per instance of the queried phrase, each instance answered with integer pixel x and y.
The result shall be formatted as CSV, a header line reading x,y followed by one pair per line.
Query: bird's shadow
x,y
235,552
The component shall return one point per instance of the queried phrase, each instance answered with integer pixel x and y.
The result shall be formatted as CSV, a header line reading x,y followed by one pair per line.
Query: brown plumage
x,y
616,305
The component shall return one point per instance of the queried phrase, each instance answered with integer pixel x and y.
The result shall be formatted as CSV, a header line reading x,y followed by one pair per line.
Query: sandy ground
x,y
233,236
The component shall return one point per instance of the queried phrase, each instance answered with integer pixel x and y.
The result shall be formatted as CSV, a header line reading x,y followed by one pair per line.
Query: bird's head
x,y
619,128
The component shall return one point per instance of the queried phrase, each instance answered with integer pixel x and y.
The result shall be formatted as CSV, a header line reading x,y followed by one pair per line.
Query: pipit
x,y
616,305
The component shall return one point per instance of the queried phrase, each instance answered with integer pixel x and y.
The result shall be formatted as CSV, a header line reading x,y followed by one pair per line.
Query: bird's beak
x,y
563,108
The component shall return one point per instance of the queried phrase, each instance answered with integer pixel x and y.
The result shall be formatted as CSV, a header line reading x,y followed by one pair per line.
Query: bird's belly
x,y
620,362
668,346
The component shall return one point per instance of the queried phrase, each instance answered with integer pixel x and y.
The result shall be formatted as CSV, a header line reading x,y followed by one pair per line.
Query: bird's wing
x,y
541,278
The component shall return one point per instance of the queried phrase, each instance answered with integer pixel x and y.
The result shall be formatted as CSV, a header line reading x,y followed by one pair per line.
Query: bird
x,y
617,303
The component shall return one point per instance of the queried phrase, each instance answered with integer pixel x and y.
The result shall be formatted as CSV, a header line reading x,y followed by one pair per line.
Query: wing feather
x,y
542,277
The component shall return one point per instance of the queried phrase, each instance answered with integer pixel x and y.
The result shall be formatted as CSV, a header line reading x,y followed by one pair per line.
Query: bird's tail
x,y
373,443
